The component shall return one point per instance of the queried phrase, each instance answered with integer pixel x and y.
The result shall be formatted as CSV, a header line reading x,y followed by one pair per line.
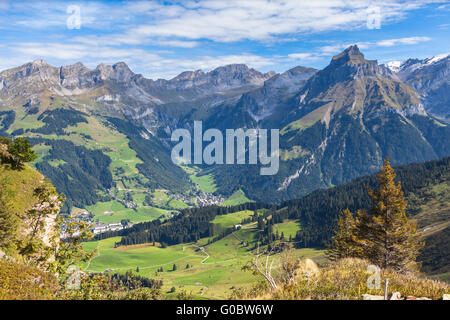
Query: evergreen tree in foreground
x,y
384,236
389,238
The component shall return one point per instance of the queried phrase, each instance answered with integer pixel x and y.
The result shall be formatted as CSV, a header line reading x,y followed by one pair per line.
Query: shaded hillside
x,y
319,210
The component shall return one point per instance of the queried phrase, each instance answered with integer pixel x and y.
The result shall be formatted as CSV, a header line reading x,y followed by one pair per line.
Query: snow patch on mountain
x,y
394,66
437,58
109,98
412,65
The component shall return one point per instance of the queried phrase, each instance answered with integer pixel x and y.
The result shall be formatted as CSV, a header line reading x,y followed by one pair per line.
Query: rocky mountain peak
x,y
122,66
74,76
353,50
351,64
37,66
39,69
394,66
119,72
351,55
39,63
189,75
410,66
234,69
237,74
354,84
220,79
431,79
270,74
292,79
409,63
74,70
267,102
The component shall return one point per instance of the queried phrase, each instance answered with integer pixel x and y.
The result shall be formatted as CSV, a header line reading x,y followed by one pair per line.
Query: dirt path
x,y
202,249
98,255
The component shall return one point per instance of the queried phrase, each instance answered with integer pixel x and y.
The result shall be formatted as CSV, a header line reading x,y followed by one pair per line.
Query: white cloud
x,y
402,41
262,20
216,20
303,56
123,31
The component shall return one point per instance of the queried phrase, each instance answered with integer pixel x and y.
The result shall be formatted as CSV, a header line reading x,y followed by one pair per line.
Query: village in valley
x,y
195,199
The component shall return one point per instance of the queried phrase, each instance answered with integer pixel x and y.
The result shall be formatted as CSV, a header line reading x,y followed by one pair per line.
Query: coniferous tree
x,y
21,151
345,243
388,238
260,223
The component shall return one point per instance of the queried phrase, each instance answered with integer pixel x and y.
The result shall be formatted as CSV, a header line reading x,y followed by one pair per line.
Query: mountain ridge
x,y
335,124
344,120
113,71
430,78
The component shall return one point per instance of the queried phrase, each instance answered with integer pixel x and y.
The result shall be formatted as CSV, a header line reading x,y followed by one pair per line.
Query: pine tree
x,y
345,243
389,238
21,151
260,223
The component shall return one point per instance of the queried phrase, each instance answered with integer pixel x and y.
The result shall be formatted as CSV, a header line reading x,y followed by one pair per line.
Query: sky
x,y
161,39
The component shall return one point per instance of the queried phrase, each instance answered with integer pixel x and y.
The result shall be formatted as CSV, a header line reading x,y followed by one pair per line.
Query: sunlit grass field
x,y
238,197
288,227
232,219
114,211
213,272
205,183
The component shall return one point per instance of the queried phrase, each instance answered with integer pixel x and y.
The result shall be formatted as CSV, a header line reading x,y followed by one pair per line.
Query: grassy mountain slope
x,y
32,284
90,160
26,221
18,187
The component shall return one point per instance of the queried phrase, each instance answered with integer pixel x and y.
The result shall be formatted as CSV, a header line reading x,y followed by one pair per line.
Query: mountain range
x,y
104,134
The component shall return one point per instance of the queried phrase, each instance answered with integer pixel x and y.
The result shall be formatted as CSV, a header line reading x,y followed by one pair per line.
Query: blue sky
x,y
160,39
